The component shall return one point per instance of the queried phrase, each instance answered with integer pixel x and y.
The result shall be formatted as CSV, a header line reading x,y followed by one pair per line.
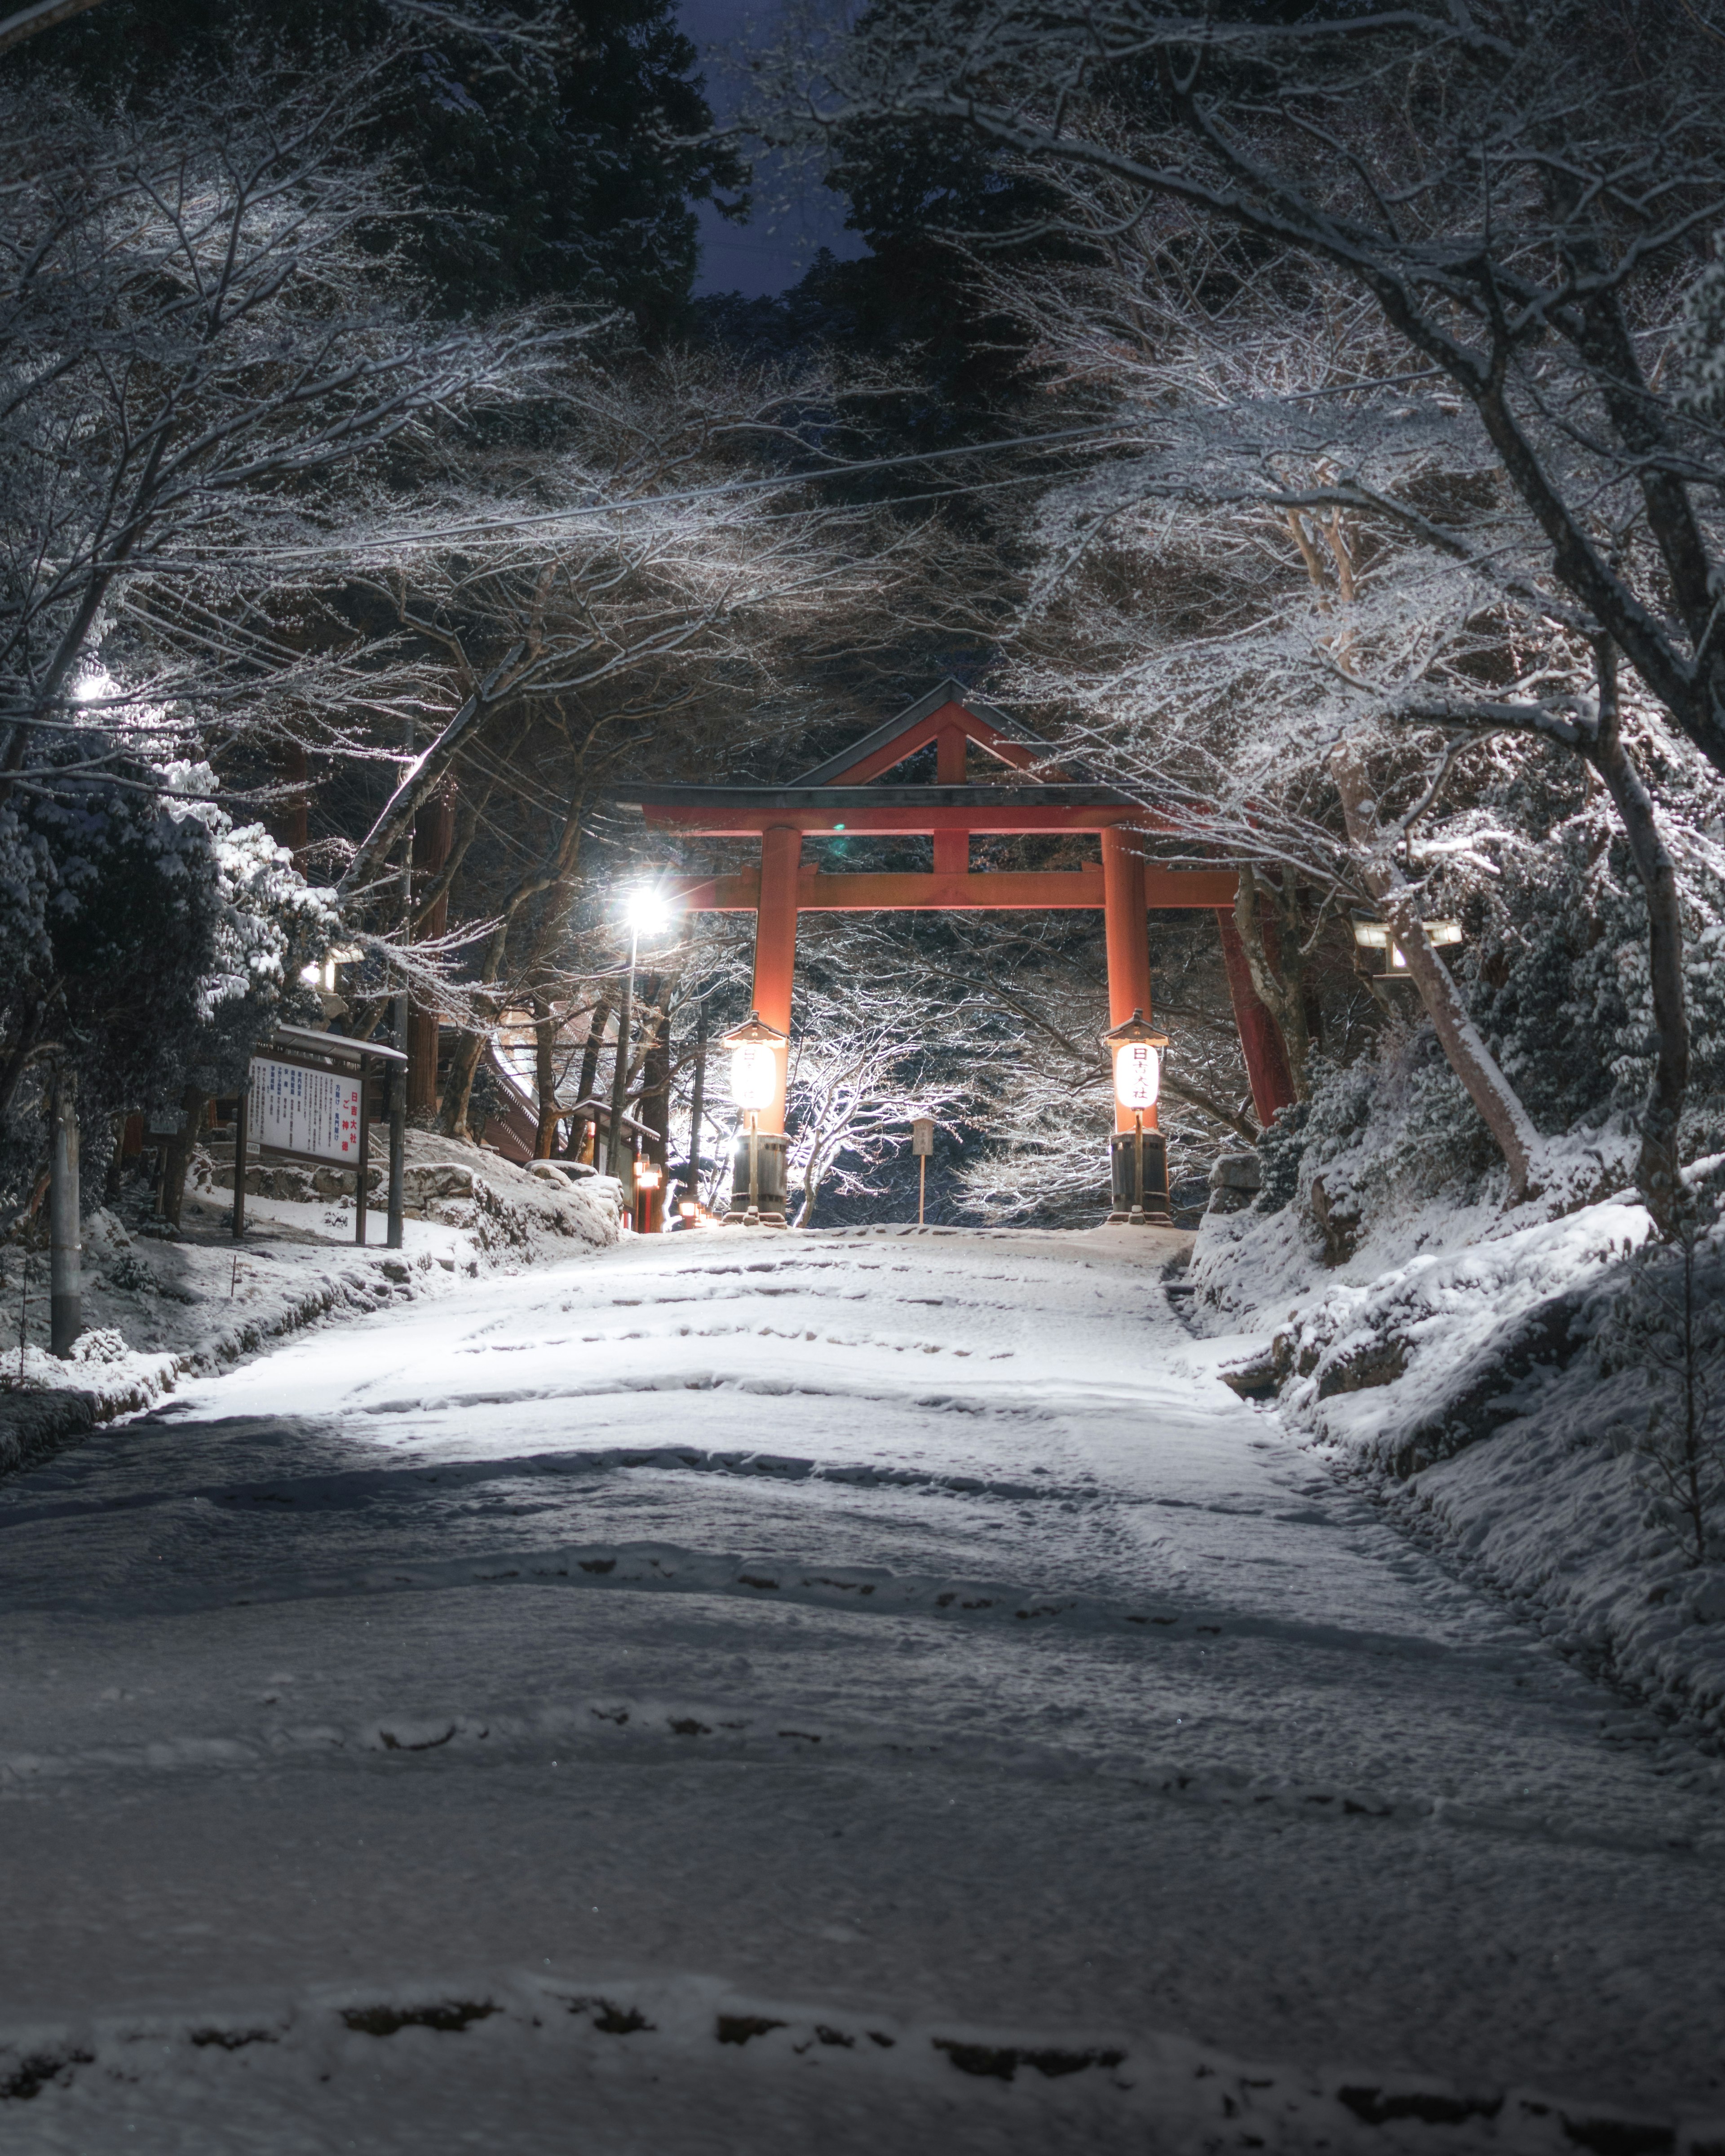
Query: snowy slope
x,y
1454,1378
156,1308
779,1692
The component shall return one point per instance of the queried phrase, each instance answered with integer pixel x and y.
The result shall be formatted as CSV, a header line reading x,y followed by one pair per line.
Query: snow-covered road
x,y
780,1692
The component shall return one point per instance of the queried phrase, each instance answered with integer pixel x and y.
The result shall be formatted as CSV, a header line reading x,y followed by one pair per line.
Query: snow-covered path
x,y
774,1693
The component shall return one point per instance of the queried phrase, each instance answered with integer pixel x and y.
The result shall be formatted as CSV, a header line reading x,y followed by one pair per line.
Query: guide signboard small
x,y
295,1109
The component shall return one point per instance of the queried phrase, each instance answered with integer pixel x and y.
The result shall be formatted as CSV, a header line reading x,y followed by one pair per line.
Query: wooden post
x,y
1128,938
776,949
242,1132
396,1074
362,1192
952,848
1260,1041
397,1231
922,1145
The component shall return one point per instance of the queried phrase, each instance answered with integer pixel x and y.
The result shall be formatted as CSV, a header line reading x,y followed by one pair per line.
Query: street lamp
x,y
1371,934
758,1159
1137,1158
647,914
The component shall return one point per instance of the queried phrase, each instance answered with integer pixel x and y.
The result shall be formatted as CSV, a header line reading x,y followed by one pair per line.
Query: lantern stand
x,y
757,1160
1138,1157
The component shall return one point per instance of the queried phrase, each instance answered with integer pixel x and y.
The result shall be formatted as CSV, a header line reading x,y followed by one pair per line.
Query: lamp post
x,y
1138,1157
646,912
758,1159
1371,934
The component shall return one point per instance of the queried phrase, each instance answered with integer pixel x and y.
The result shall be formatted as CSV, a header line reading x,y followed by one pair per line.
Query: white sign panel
x,y
301,1111
921,1136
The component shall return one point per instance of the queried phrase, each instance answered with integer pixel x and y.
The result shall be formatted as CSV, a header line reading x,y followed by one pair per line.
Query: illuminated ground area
x,y
763,1692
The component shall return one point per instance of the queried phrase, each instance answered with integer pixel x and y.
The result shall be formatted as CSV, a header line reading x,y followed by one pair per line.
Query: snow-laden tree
x,y
1518,422
1521,198
1290,682
628,599
208,355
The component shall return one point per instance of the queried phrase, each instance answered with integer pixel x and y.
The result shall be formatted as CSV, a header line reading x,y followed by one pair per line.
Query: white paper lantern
x,y
754,1075
1137,1075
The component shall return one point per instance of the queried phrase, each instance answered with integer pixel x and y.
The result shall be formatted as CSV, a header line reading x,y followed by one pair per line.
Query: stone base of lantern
x,y
757,1181
1138,1163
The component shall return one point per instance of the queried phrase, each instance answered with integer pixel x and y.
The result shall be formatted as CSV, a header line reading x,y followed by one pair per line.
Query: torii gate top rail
x,y
840,800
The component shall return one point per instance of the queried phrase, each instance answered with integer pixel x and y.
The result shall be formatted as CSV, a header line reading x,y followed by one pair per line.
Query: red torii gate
x,y
841,798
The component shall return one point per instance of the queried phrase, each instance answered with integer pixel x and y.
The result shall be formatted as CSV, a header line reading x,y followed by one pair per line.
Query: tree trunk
x,y
590,1076
555,868
697,1106
1471,1060
179,1153
289,820
1657,1175
545,1078
458,1087
1273,957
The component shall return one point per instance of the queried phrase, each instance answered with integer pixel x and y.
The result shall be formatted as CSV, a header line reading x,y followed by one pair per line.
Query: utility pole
x,y
66,1279
398,1071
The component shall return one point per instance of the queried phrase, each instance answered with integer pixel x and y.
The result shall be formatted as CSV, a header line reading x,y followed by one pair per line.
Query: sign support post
x,y
922,1145
242,1129
318,1110
362,1192
399,1123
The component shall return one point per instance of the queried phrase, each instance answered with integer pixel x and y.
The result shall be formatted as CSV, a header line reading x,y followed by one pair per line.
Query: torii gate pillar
x,y
776,947
1127,931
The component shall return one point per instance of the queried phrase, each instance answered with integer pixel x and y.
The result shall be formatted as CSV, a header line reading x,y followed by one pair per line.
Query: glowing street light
x,y
647,913
1138,1157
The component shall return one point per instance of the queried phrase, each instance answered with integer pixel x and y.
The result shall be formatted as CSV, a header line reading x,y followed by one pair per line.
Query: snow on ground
x,y
1451,1373
157,1305
760,1692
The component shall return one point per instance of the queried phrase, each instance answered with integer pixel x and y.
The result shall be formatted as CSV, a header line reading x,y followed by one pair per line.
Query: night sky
x,y
774,249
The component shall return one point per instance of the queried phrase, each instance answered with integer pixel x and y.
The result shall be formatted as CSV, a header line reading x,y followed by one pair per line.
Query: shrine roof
x,y
906,721
945,711
679,795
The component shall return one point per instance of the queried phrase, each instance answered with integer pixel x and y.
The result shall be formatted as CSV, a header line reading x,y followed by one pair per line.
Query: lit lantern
x,y
1137,1048
1137,1158
757,1167
754,1050
646,1175
1374,935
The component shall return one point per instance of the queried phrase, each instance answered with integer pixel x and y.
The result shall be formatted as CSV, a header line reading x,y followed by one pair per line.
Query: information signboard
x,y
293,1109
921,1136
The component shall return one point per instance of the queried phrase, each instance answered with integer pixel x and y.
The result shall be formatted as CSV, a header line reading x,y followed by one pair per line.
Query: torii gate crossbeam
x,y
839,799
